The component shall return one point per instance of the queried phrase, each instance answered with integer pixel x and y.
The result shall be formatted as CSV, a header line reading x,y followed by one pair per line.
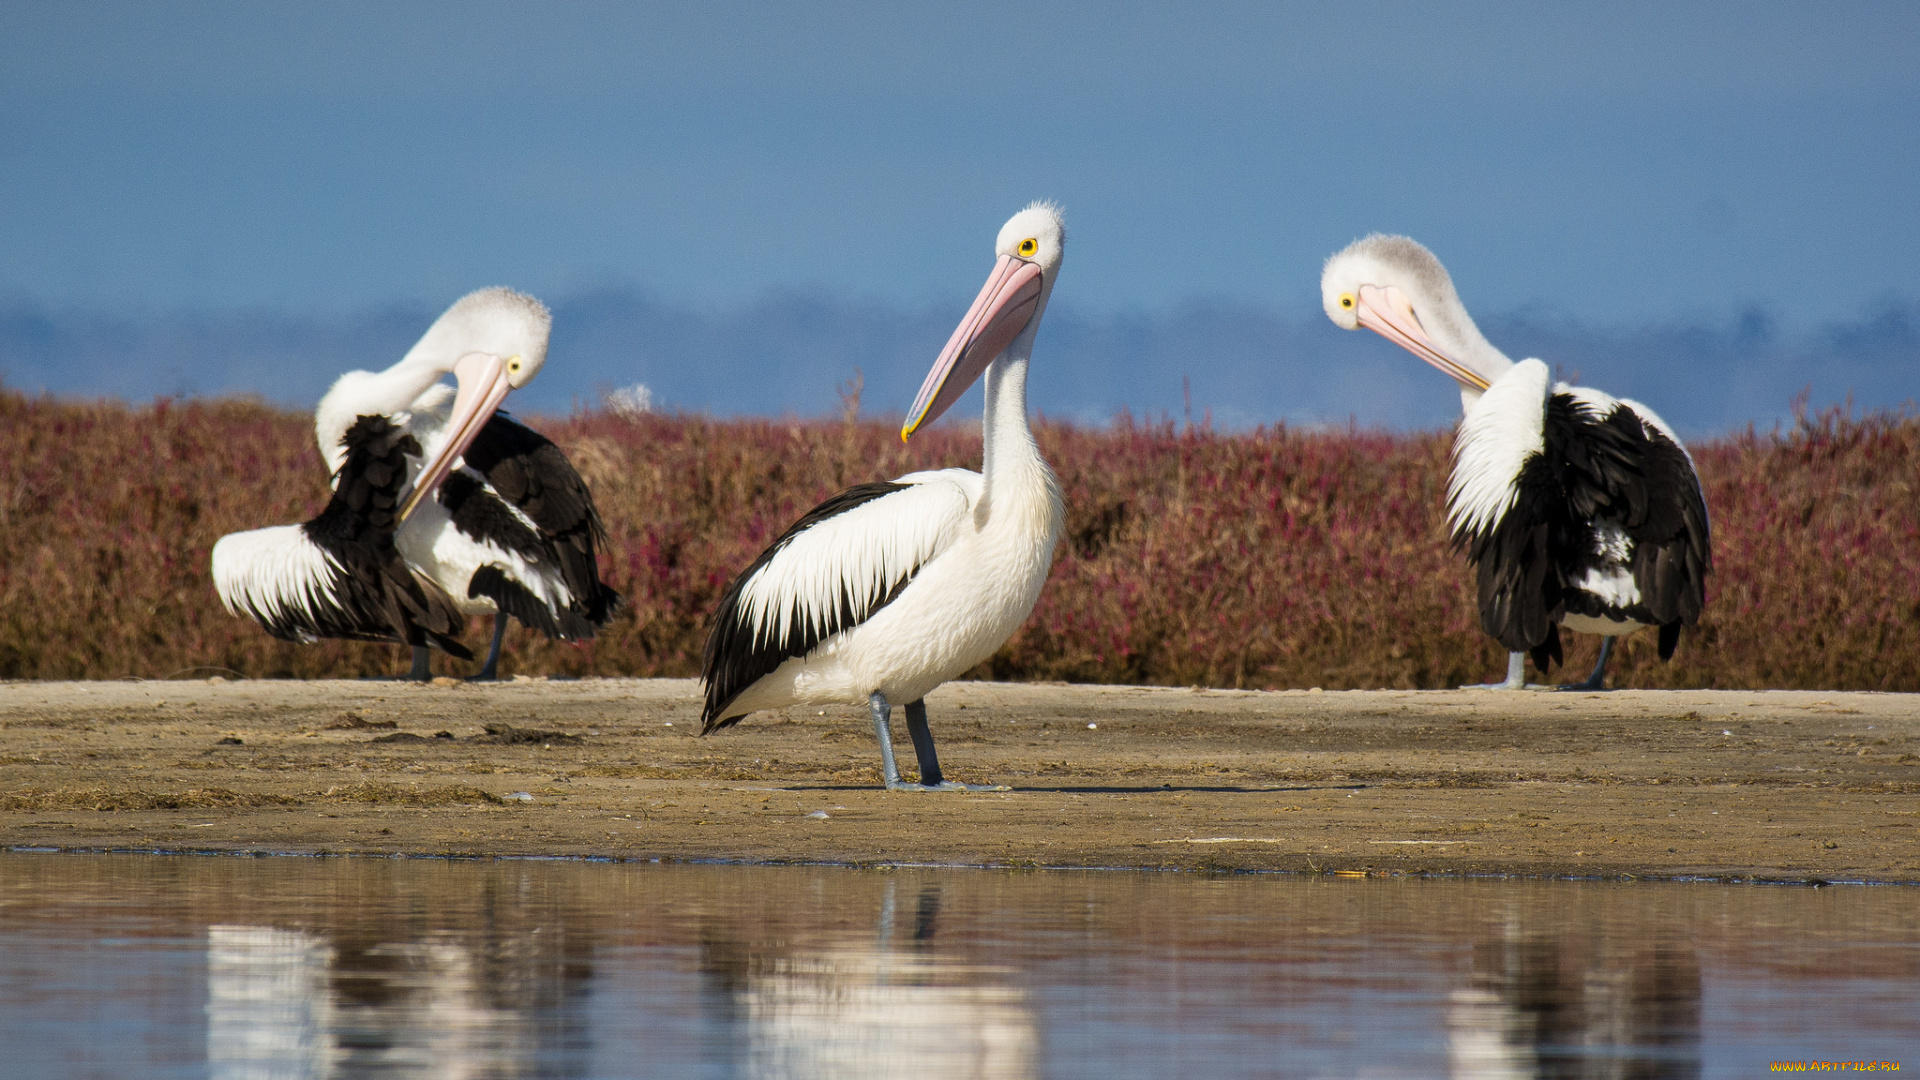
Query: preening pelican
x,y
497,516
887,590
1579,509
340,575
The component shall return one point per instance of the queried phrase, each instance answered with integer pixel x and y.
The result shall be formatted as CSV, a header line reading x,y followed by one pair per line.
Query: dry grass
x,y
1271,559
398,795
105,800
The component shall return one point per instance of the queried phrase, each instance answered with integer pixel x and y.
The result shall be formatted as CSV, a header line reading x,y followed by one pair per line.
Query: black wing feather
x,y
736,658
530,472
1673,544
1519,589
376,597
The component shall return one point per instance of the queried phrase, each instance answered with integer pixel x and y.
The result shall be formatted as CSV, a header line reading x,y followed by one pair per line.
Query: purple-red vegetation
x,y
1277,558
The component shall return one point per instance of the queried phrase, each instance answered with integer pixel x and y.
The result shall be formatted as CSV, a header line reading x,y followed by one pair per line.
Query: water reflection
x,y
257,969
269,1012
864,1005
385,997
1541,1006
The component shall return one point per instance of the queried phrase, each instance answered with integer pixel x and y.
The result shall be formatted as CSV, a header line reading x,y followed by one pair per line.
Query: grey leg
x,y
422,665
1516,675
1597,680
883,731
930,776
490,670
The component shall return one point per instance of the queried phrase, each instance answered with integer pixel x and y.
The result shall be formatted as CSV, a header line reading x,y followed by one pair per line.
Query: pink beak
x,y
1389,313
1005,306
483,386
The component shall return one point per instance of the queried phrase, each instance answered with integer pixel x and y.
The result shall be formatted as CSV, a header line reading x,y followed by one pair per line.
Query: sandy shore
x,y
1787,786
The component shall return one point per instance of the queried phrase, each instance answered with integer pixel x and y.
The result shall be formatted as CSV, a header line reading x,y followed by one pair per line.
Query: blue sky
x,y
1625,173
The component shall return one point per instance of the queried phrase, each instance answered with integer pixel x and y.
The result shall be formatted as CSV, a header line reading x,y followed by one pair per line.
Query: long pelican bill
x,y
1388,312
1004,308
483,385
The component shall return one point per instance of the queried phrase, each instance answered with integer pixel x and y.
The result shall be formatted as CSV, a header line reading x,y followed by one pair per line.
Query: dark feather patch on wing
x,y
1593,471
736,657
1547,653
1673,545
529,472
514,598
375,597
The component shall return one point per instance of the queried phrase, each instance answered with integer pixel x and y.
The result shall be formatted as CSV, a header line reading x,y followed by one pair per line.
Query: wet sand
x,y
1794,786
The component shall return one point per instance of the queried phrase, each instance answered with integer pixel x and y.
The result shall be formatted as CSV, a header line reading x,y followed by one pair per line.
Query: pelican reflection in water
x,y
1542,1006
285,1004
888,1003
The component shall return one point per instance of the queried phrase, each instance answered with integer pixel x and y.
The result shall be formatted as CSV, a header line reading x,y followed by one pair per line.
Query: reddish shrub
x,y
1270,559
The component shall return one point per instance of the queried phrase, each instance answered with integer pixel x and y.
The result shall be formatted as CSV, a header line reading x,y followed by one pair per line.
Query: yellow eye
x,y
513,364
1346,300
1028,247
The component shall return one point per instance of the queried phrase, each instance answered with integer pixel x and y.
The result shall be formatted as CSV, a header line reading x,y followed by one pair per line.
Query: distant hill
x,y
788,352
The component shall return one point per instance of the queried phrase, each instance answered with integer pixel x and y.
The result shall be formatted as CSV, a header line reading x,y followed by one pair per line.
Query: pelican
x,y
1578,509
889,589
497,517
340,575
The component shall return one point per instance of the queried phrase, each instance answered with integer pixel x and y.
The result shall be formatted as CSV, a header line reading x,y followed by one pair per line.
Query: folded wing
x,y
533,503
832,570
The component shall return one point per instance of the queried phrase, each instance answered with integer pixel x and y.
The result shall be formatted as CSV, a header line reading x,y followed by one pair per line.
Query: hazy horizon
x,y
790,352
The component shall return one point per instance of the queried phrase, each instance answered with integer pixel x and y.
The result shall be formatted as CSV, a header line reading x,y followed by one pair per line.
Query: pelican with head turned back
x,y
496,518
340,575
887,590
1578,509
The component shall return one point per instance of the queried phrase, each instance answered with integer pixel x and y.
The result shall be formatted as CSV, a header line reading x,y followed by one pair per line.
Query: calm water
x,y
147,966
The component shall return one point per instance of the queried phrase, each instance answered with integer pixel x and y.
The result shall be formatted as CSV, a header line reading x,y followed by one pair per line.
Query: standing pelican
x,y
497,518
1578,509
887,590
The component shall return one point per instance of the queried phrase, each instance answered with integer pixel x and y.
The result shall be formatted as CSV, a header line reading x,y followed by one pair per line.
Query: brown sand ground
x,y
1788,785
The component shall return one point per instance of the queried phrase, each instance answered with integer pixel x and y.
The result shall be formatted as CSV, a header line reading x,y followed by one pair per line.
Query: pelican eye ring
x,y
1028,247
513,365
1346,300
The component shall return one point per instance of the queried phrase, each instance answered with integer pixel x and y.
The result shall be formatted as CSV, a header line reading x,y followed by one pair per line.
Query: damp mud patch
x,y
356,722
508,735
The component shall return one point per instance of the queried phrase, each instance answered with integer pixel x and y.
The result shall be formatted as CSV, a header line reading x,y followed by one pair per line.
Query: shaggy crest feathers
x,y
1038,216
497,320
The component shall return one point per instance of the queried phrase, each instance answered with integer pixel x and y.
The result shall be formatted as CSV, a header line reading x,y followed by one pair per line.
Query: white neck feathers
x,y
1500,431
1020,489
408,385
